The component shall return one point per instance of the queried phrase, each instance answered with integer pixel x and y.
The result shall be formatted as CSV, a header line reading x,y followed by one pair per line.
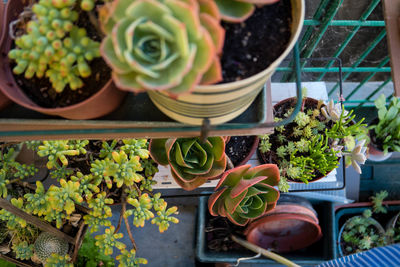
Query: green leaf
x,y
391,114
380,102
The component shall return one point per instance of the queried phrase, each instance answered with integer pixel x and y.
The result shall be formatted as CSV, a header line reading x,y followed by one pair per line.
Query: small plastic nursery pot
x,y
344,212
322,250
101,103
375,152
224,102
291,226
235,142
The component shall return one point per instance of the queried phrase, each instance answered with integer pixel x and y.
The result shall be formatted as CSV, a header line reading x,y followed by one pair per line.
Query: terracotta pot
x,y
375,152
224,102
263,157
101,103
290,226
375,223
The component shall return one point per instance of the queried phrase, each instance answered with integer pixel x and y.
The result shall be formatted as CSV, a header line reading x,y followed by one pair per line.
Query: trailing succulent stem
x,y
94,174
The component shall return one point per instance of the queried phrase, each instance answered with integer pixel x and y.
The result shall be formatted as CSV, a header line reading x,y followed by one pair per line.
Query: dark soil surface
x,y
251,46
238,148
41,91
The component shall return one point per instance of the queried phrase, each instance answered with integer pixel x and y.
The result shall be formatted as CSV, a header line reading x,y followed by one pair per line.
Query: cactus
x,y
165,45
239,10
54,47
245,193
192,162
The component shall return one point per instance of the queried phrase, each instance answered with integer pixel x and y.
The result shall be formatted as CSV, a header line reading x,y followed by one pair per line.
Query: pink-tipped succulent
x,y
170,45
245,193
192,162
239,10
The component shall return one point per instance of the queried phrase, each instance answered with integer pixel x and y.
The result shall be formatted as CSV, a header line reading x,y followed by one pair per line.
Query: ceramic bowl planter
x,y
223,102
103,102
213,245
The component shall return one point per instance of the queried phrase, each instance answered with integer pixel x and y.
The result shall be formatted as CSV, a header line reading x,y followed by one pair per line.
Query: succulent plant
x,y
310,146
54,47
56,260
47,244
95,175
239,10
192,162
23,250
161,45
128,259
245,193
108,240
387,130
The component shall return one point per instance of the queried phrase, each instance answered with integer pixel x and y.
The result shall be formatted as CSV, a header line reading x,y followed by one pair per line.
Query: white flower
x,y
332,111
357,155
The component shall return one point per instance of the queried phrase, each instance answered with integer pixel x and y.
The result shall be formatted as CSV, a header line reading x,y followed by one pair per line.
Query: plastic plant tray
x,y
345,212
322,250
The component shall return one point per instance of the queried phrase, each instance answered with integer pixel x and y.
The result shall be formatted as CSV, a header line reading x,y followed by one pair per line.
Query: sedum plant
x,y
168,45
385,134
361,233
192,162
310,147
94,174
54,47
239,10
245,193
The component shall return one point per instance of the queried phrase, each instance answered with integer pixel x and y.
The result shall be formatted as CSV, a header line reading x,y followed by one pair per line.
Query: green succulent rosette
x,y
192,162
245,193
239,10
160,44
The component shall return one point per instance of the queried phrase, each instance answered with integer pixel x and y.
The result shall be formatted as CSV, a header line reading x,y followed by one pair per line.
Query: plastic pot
x,y
224,102
375,223
375,152
291,226
101,103
252,149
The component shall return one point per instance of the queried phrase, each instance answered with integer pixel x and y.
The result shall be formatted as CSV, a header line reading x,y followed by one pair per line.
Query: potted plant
x,y
97,174
51,61
308,148
180,68
362,232
216,239
192,162
385,130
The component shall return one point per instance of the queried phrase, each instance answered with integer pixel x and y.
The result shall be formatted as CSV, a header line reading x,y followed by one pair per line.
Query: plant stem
x,y
128,228
264,252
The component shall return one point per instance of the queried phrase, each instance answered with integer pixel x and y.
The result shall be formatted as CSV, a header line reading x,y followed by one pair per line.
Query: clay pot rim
x,y
253,226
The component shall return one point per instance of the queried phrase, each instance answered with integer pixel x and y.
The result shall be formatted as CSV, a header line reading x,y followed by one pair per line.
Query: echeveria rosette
x,y
161,45
192,162
245,193
239,10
